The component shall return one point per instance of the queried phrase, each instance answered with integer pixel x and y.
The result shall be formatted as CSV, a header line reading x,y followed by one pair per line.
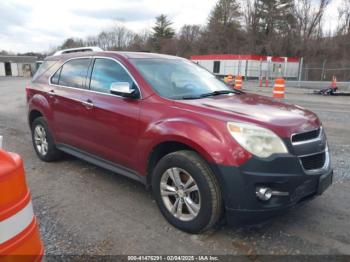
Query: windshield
x,y
178,78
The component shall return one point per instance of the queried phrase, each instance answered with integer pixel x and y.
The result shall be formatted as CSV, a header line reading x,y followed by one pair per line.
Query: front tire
x,y
187,192
43,141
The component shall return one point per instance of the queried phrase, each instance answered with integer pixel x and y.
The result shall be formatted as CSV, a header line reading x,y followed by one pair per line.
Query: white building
x,y
249,66
17,65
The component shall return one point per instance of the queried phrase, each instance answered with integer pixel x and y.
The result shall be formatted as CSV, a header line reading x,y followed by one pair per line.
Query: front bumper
x,y
283,173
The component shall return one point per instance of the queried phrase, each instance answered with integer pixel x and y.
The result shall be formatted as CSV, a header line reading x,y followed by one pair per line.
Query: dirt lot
x,y
86,210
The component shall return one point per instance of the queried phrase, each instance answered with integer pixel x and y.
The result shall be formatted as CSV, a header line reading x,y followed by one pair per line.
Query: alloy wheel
x,y
180,194
40,140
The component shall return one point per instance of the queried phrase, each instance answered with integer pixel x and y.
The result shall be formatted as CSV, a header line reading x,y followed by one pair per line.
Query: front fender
x,y
207,138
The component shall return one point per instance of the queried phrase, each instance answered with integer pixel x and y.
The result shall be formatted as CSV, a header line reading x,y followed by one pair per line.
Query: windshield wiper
x,y
214,93
190,97
221,92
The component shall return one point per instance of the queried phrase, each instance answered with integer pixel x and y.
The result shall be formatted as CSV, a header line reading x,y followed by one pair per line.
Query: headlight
x,y
256,140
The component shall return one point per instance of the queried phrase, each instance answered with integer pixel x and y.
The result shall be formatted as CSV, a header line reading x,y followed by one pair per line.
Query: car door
x,y
113,121
70,103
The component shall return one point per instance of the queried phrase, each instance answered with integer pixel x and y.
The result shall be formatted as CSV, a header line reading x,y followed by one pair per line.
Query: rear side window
x,y
72,73
56,77
105,72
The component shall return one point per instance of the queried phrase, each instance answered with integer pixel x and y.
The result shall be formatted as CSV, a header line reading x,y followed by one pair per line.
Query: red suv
x,y
206,149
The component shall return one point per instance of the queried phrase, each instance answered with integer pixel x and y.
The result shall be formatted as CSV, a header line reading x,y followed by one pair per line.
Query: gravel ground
x,y
85,210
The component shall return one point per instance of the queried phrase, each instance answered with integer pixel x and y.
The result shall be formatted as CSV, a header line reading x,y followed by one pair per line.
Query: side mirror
x,y
122,89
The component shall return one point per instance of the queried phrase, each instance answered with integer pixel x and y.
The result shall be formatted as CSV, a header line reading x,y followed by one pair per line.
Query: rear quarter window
x,y
56,77
46,65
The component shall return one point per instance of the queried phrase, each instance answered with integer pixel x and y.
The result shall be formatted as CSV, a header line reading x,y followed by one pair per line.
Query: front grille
x,y
314,161
306,136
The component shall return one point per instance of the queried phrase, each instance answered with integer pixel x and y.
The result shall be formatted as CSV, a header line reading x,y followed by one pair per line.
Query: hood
x,y
283,118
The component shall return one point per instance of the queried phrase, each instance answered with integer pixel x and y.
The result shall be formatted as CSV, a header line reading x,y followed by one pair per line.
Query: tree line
x,y
265,27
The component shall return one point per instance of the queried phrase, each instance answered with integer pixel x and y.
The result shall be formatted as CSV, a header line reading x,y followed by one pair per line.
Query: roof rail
x,y
78,49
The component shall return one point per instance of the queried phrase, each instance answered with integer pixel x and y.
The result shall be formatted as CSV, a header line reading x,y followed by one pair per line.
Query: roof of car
x,y
128,55
145,55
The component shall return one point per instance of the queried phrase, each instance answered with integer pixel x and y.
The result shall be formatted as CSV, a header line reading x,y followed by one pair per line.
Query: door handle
x,y
88,104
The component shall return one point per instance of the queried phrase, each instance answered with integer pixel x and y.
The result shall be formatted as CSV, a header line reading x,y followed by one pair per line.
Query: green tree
x,y
276,23
225,13
162,33
163,28
224,33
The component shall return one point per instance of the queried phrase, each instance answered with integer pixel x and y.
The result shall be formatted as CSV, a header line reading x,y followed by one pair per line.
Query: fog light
x,y
264,193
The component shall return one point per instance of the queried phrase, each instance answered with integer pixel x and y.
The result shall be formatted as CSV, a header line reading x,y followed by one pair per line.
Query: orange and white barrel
x,y
19,234
279,88
238,82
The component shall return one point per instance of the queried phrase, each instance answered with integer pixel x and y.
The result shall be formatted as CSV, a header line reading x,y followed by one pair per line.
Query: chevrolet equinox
x,y
206,150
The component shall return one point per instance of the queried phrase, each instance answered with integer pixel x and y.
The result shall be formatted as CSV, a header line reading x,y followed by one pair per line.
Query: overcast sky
x,y
38,25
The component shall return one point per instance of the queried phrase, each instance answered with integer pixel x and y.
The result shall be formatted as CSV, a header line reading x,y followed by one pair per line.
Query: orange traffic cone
x,y
238,82
279,88
19,234
334,82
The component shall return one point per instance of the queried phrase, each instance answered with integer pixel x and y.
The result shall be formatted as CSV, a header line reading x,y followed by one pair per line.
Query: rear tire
x,y
43,141
193,203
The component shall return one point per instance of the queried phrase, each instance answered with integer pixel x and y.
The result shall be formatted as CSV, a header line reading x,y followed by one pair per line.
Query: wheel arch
x,y
39,106
34,114
166,147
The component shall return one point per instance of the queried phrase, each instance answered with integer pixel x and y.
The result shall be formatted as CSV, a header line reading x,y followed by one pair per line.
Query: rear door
x,y
113,121
70,95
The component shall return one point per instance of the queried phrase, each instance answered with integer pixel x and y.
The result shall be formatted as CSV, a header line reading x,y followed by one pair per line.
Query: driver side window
x,y
105,72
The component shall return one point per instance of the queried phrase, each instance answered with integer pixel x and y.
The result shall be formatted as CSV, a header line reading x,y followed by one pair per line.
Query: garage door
x,y
14,69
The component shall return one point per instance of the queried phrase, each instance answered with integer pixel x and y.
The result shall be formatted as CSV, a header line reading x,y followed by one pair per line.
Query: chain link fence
x,y
325,71
297,72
